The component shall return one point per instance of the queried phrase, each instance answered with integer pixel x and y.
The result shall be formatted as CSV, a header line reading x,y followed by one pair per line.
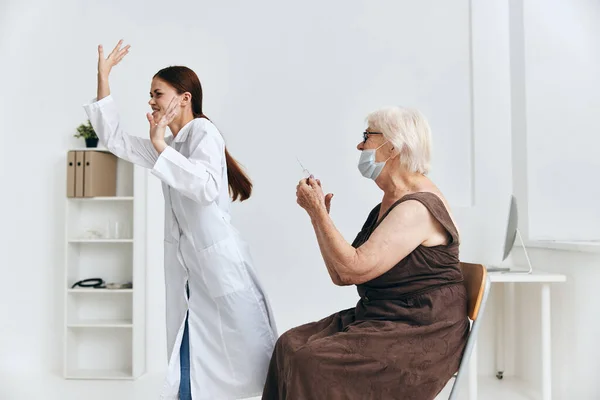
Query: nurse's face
x,y
161,94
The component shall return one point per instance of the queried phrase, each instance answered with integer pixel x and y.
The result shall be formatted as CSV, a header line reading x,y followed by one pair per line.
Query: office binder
x,y
79,173
71,174
100,174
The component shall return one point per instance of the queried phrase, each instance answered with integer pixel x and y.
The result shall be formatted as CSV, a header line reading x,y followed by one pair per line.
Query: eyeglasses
x,y
366,135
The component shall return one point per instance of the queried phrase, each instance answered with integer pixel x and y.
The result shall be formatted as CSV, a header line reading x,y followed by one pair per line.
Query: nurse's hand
x,y
159,122
309,195
105,65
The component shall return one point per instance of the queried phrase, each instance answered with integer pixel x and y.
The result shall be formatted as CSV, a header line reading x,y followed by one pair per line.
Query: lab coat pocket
x,y
223,268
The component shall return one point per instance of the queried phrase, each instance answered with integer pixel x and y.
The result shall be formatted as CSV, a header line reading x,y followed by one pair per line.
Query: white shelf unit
x,y
104,329
101,241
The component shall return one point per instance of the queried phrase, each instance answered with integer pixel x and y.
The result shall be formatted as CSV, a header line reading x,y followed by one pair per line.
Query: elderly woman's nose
x,y
361,146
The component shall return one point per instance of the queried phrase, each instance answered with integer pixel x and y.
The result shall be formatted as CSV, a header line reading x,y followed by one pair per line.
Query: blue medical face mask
x,y
368,167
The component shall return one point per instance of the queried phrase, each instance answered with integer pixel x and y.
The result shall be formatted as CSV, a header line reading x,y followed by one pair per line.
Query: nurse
x,y
220,328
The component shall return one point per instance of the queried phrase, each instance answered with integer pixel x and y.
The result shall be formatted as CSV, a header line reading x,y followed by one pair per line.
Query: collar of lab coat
x,y
183,133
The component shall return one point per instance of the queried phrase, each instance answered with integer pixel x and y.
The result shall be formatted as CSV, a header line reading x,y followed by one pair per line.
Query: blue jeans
x,y
185,390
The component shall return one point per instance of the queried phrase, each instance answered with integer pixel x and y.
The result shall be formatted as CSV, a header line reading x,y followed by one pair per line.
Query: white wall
x,y
280,81
562,57
316,82
554,64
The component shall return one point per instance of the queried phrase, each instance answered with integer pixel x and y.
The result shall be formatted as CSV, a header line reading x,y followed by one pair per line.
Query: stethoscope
x,y
98,283
95,283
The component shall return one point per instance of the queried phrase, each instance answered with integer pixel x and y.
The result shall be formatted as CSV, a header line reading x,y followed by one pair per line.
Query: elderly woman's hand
x,y
310,196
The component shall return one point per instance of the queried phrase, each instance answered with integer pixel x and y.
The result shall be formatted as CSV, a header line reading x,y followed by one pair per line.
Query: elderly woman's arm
x,y
334,248
406,227
335,277
403,230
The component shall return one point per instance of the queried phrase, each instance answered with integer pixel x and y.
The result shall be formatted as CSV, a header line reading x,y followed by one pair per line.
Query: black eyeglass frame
x,y
366,135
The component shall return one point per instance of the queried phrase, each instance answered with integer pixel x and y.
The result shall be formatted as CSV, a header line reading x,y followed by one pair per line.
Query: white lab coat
x,y
231,327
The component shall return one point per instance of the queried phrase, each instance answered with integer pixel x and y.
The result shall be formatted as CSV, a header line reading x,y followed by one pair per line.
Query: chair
x,y
477,284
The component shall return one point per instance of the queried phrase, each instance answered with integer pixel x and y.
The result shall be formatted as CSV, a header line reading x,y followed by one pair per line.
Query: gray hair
x,y
408,130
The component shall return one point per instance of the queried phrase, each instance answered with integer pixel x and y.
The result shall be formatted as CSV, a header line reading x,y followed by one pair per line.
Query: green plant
x,y
86,131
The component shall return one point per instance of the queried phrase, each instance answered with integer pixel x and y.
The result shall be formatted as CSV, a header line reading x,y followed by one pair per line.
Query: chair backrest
x,y
477,284
474,280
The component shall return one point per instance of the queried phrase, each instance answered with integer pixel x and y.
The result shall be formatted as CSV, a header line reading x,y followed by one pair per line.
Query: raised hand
x,y
309,195
105,65
159,123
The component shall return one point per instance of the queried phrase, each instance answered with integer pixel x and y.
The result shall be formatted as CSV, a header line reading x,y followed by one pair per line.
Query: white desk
x,y
508,281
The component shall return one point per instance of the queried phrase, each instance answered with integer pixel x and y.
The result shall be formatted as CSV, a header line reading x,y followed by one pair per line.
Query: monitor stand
x,y
507,269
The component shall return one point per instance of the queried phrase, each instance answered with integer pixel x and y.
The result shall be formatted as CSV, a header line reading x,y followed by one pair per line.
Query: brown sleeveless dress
x,y
403,340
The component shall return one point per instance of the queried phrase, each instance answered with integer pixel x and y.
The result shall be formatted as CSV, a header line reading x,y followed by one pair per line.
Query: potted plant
x,y
87,132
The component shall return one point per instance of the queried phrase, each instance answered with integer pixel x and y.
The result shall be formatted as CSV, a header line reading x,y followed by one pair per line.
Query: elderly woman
x,y
405,337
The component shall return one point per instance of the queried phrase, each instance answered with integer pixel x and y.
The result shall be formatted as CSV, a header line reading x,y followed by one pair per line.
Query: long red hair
x,y
184,80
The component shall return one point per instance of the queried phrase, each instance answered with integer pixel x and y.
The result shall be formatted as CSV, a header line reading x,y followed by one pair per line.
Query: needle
x,y
303,169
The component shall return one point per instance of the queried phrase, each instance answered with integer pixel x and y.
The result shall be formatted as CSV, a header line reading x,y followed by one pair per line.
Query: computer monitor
x,y
512,227
512,231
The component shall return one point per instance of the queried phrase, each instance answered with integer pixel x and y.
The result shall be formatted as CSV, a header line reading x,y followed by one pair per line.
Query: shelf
x,y
104,329
99,353
88,311
102,149
90,323
77,241
99,374
101,291
106,260
106,198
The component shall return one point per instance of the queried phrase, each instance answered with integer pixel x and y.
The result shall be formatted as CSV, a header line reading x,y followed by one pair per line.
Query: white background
x,y
562,56
287,80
